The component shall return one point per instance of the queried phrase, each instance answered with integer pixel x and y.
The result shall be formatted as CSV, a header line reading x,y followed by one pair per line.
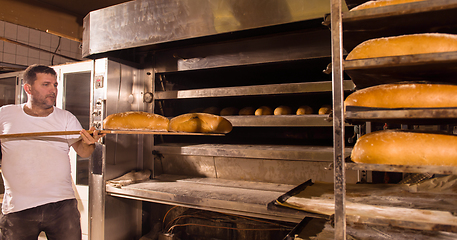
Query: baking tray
x,y
417,116
394,20
413,206
431,67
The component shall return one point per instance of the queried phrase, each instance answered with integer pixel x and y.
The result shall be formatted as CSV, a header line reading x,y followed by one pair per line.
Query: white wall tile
x,y
34,38
9,48
45,56
22,51
74,47
21,60
23,34
55,43
9,58
34,53
1,46
65,45
45,62
31,61
1,56
10,31
2,29
45,41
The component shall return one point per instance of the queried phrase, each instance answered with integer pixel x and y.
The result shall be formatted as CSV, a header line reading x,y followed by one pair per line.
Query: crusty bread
x,y
302,110
136,121
263,110
229,111
405,95
382,3
247,111
283,110
325,109
200,123
398,147
405,45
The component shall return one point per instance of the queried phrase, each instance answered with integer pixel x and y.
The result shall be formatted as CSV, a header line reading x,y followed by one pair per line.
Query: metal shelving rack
x,y
402,19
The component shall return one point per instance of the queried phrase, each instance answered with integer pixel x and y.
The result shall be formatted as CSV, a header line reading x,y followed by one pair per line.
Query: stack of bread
x,y
404,147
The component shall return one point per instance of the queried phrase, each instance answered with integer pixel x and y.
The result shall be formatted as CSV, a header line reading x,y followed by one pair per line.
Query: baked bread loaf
x,y
283,110
302,110
325,109
200,123
382,3
136,121
264,110
398,147
229,111
247,111
405,95
404,45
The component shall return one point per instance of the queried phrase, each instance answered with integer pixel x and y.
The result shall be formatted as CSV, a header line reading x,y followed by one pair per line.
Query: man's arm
x,y
86,145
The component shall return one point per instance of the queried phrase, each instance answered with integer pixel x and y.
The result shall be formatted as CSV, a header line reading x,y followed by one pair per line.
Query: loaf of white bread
x,y
404,45
397,147
382,3
405,95
136,121
200,123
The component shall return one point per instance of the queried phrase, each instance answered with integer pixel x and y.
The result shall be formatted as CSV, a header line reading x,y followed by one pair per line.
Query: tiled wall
x,y
11,53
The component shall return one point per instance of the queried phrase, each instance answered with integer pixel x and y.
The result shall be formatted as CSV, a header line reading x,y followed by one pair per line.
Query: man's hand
x,y
91,139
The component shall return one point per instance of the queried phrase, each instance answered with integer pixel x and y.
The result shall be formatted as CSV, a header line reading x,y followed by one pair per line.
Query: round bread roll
x,y
405,45
398,147
229,111
283,110
405,95
302,110
263,110
382,3
136,121
325,109
200,123
247,111
212,110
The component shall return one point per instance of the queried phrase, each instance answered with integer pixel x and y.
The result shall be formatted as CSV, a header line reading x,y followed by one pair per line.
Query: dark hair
x,y
32,70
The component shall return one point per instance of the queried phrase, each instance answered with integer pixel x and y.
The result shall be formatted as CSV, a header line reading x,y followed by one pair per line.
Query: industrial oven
x,y
176,57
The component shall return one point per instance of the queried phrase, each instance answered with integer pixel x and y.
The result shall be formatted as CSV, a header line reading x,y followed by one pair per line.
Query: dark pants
x,y
59,220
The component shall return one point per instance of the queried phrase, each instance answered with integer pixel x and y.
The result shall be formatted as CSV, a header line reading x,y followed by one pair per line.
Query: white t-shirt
x,y
36,170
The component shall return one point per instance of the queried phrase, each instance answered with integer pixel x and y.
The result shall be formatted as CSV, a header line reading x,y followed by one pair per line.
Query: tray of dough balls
x,y
137,122
283,115
414,57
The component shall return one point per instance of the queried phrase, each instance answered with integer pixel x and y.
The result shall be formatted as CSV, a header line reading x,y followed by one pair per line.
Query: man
x,y
36,170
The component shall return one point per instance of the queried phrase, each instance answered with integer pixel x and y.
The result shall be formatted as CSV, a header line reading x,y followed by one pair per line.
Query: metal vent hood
x,y
148,22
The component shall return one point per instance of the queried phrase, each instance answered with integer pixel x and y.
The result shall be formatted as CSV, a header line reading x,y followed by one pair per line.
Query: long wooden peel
x,y
39,134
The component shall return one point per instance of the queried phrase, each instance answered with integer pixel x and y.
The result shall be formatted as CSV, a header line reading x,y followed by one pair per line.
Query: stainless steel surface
x,y
445,170
338,120
10,88
235,197
432,67
411,116
122,90
146,22
281,121
286,88
310,153
97,194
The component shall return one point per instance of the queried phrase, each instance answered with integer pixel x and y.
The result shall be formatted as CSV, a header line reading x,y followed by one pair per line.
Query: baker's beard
x,y
46,102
